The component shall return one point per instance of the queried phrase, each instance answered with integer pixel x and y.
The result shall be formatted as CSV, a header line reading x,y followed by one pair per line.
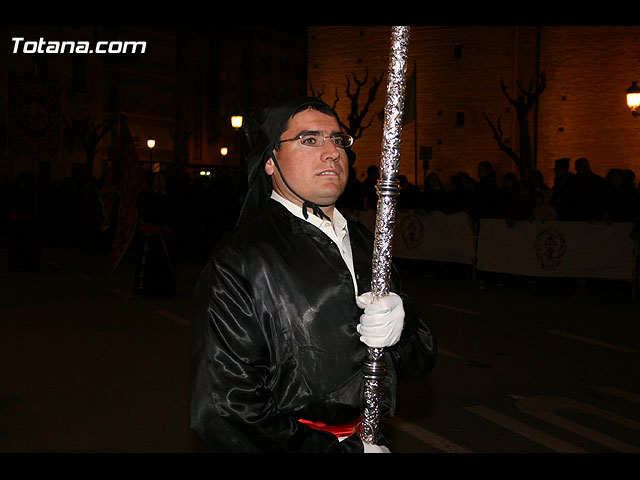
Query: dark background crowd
x,y
196,211
200,209
579,195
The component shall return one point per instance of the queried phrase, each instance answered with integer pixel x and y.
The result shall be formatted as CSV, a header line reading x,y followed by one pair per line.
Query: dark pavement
x,y
89,366
547,365
525,366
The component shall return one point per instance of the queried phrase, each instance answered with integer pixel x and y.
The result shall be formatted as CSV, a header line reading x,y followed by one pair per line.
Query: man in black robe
x,y
282,311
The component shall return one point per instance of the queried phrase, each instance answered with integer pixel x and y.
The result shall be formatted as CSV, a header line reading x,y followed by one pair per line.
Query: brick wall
x,y
582,112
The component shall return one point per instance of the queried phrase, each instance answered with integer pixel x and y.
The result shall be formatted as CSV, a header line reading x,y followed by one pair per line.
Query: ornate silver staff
x,y
374,369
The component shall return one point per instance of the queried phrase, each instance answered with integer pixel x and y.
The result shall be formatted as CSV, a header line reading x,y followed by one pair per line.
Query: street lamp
x,y
633,99
236,121
151,143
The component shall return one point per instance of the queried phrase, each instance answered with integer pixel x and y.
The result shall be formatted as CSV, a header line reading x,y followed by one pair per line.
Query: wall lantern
x,y
224,151
236,121
633,99
151,143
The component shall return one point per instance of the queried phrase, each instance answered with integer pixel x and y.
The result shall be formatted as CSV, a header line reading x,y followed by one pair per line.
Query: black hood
x,y
263,130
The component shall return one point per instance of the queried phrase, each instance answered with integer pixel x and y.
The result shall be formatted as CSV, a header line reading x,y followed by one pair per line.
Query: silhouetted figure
x,y
560,191
629,178
24,246
369,184
461,193
409,197
91,212
507,192
353,197
155,272
586,193
434,196
621,198
537,180
544,211
523,205
486,197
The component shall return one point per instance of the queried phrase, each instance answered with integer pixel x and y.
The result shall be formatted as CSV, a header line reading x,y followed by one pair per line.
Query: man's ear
x,y
269,167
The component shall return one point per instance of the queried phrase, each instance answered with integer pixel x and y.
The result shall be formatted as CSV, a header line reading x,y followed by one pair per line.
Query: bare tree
x,y
523,104
90,136
355,125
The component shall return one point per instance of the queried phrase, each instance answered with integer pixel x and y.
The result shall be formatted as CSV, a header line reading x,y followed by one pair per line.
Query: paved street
x,y
547,366
524,366
90,367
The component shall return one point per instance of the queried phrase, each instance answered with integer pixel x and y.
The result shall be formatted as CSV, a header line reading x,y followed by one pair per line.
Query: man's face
x,y
318,174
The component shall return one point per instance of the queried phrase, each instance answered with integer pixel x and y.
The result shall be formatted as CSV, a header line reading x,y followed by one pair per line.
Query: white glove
x,y
382,321
375,448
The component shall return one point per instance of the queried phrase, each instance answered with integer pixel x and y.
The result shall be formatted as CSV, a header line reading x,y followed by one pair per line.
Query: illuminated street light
x,y
236,121
633,99
151,143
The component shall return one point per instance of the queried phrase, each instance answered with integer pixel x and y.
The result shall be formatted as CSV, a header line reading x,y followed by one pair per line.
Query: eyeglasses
x,y
340,140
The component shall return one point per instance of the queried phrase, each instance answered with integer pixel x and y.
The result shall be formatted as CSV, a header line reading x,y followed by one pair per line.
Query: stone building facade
x,y
581,113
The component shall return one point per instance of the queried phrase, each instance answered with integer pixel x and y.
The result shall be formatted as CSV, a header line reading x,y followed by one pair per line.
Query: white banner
x,y
434,236
561,249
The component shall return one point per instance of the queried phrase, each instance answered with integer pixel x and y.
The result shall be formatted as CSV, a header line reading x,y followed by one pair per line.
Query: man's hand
x,y
382,321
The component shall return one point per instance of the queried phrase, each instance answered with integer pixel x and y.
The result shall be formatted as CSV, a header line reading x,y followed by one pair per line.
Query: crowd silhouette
x,y
573,196
579,195
200,209
69,213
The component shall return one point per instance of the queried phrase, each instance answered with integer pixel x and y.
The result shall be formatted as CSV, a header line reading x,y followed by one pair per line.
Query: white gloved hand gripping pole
x,y
374,369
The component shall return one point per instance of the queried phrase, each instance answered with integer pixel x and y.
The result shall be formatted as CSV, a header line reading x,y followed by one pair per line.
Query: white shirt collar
x,y
339,222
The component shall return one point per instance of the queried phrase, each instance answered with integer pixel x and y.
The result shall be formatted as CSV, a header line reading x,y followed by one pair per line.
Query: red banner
x,y
127,178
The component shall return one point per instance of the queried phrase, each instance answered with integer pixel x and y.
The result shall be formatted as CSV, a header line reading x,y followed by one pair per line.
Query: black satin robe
x,y
275,340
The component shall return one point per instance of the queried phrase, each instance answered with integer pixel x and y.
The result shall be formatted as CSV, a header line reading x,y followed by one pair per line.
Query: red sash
x,y
343,430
